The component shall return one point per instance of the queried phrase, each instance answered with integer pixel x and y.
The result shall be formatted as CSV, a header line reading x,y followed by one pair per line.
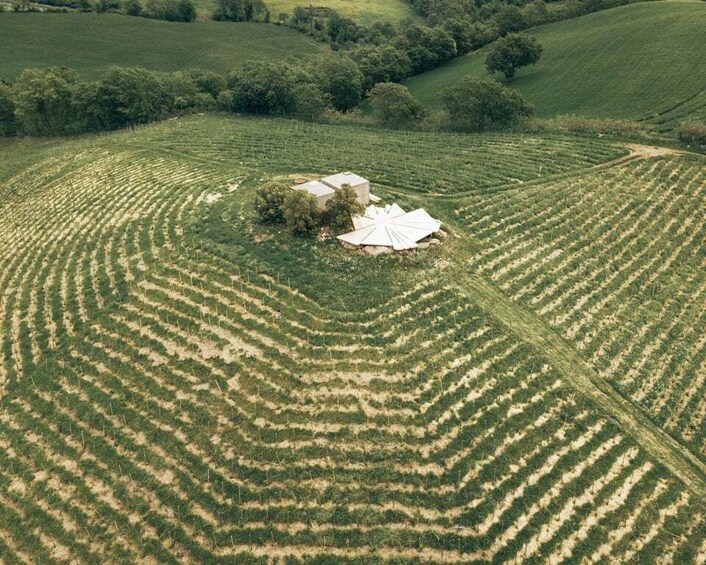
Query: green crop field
x,y
630,62
530,391
90,43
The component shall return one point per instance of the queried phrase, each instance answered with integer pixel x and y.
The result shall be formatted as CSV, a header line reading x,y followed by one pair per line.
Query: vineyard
x,y
615,263
155,408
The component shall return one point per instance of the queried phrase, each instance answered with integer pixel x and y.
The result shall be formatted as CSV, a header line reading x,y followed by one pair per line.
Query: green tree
x,y
228,10
310,103
469,35
340,209
341,79
510,19
207,82
185,11
426,47
394,105
479,104
269,202
381,63
261,88
301,213
179,92
45,101
132,7
127,96
512,52
8,125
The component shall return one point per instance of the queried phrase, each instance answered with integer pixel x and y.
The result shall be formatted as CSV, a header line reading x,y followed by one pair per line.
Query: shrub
x,y
510,19
340,208
692,132
479,104
394,105
269,202
301,213
512,52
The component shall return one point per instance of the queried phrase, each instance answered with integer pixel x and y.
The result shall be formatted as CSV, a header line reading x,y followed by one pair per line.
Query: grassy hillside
x,y
92,42
367,11
421,408
628,62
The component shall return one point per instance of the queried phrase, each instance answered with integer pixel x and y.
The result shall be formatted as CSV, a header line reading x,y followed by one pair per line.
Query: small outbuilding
x,y
359,185
322,192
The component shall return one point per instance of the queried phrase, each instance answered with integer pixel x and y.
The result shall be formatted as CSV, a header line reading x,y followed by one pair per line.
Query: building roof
x,y
392,227
315,188
338,180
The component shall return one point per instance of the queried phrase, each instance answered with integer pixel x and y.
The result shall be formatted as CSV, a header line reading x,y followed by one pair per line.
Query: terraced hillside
x,y
642,61
401,409
91,43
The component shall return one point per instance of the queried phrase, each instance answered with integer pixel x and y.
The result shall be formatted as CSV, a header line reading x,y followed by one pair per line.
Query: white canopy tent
x,y
392,227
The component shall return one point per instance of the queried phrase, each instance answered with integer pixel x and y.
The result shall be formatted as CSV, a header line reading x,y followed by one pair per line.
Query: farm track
x,y
528,325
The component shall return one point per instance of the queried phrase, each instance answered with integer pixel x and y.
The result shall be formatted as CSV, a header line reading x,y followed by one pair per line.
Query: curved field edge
x,y
189,423
631,62
91,43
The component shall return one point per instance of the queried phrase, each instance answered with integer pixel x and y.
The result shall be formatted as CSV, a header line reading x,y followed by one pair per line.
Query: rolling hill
x,y
633,62
90,43
497,398
365,11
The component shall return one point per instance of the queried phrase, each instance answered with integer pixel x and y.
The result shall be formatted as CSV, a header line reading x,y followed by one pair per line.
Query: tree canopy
x,y
394,105
479,104
512,52
340,209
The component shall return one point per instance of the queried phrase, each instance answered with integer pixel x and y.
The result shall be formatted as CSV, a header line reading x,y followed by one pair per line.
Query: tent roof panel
x,y
392,227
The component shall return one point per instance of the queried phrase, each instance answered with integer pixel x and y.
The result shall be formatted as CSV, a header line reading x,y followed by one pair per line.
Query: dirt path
x,y
647,151
637,151
583,377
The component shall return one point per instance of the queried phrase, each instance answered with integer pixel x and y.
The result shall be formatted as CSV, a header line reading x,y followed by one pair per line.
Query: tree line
x,y
58,101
